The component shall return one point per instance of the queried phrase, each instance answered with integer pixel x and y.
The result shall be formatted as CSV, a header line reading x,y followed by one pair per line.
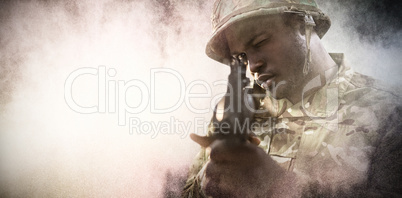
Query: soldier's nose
x,y
255,66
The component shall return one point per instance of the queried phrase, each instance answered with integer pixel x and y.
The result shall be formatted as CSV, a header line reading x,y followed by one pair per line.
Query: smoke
x,y
50,149
127,147
369,33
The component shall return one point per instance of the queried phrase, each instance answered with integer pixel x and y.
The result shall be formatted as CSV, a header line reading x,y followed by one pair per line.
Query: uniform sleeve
x,y
384,176
192,189
385,173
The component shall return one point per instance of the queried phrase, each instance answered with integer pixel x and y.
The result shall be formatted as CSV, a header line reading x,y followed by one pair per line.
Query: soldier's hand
x,y
239,169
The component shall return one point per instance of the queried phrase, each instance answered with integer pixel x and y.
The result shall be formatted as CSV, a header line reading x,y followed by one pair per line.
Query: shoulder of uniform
x,y
360,81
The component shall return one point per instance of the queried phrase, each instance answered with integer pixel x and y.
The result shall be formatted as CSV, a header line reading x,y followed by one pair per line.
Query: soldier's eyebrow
x,y
256,36
249,42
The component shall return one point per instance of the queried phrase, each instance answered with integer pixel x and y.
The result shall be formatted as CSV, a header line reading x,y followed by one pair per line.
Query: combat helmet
x,y
227,12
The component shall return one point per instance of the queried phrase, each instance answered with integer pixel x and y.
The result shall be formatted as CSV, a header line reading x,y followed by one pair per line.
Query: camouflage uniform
x,y
343,137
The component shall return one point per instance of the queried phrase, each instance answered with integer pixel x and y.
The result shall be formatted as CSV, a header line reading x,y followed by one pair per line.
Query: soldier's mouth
x,y
264,80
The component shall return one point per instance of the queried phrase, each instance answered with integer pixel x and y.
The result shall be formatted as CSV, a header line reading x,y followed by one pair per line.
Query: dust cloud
x,y
49,146
121,128
369,33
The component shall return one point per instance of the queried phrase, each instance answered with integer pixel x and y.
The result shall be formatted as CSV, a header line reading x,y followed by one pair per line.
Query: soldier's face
x,y
276,53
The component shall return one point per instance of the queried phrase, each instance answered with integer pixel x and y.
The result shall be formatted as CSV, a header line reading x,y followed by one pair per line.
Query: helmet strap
x,y
309,24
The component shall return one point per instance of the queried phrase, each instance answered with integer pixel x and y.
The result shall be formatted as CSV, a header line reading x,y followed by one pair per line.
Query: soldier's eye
x,y
260,43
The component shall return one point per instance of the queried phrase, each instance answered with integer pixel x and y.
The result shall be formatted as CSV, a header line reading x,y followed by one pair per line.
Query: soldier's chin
x,y
278,93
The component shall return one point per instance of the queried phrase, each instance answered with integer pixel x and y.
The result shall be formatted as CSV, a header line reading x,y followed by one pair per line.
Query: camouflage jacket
x,y
344,136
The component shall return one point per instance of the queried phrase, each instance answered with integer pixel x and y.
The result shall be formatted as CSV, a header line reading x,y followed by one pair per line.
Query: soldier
x,y
324,130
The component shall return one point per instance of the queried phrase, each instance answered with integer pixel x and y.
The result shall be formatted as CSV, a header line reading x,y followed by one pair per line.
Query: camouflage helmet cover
x,y
227,12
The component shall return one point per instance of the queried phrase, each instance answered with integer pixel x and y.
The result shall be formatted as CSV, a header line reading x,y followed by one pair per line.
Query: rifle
x,y
233,114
